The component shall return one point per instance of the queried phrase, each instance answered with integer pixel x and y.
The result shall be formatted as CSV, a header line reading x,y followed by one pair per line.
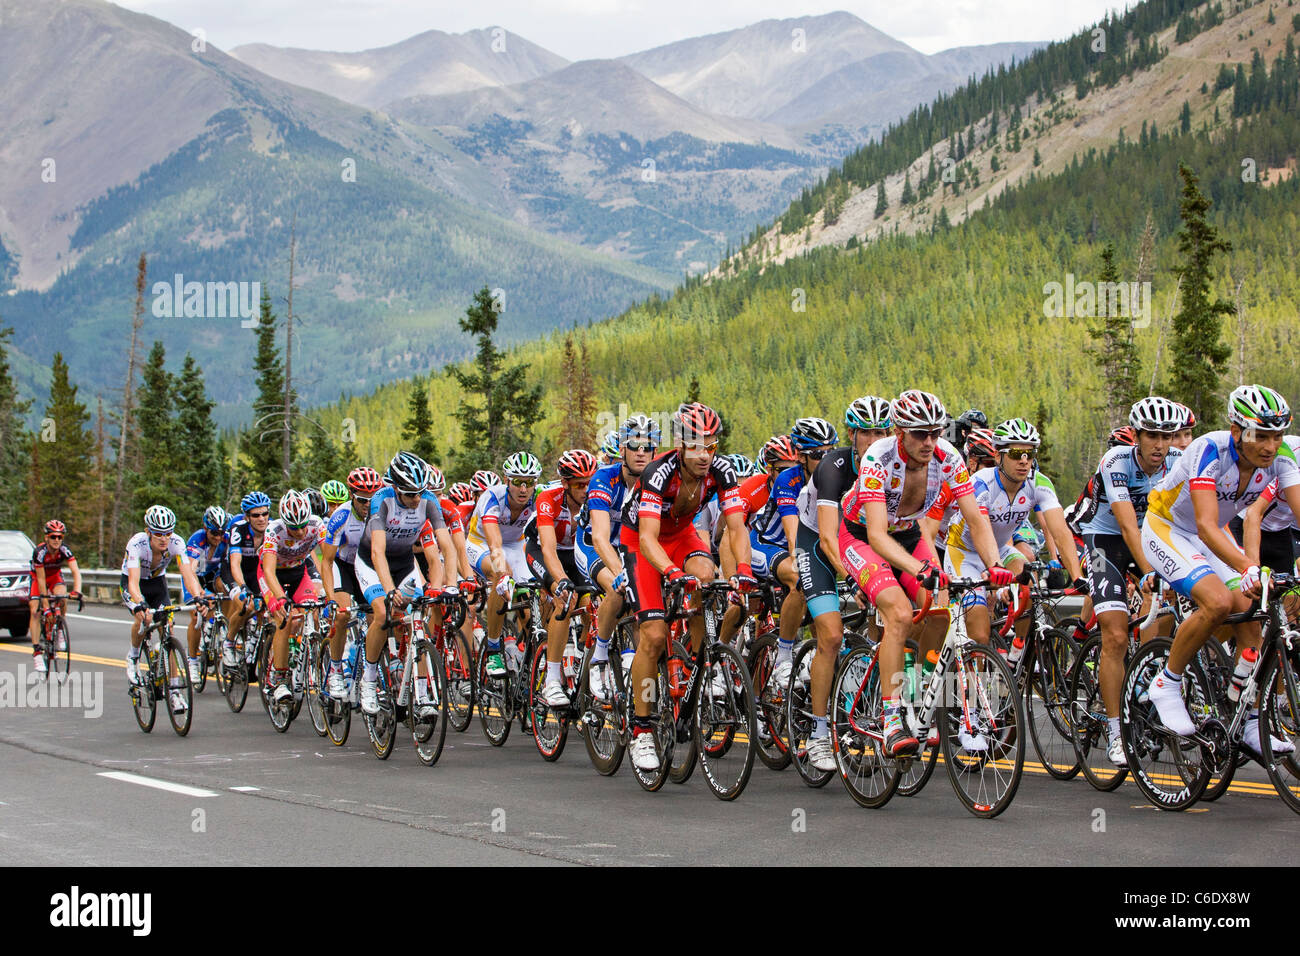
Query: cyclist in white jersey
x,y
282,576
1269,527
494,541
1007,495
1219,475
343,534
144,579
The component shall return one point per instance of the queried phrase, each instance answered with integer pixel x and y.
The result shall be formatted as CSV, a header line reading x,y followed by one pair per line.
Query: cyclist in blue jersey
x,y
599,555
243,544
207,550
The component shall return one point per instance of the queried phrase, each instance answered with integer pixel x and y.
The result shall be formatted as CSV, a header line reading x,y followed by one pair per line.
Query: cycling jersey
x,y
552,511
1006,513
451,516
834,476
606,492
208,558
1210,462
494,508
1279,517
290,552
1120,477
140,555
656,492
344,531
781,500
51,560
882,476
402,527
241,539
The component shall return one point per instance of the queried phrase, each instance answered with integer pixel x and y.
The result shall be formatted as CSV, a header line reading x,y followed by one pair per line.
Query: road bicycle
x,y
54,644
162,673
503,699
551,724
970,699
237,668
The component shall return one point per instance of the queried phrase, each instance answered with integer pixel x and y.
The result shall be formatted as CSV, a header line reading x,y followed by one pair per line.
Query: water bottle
x,y
349,653
1017,650
570,659
909,674
676,677
1245,665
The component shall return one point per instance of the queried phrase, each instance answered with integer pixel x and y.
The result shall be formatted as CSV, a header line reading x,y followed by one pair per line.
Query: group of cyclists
x,y
909,501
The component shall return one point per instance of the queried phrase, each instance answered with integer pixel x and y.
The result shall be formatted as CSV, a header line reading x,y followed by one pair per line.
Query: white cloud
x,y
580,29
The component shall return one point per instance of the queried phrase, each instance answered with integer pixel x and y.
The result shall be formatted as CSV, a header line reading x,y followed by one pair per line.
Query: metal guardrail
x,y
103,586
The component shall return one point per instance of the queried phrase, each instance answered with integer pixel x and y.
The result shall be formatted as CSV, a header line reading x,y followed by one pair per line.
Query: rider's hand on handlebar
x,y
999,577
1080,586
1148,582
276,605
743,580
932,577
1250,582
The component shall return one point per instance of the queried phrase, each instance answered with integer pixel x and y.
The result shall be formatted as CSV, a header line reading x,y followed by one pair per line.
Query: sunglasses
x,y
55,537
639,446
523,482
358,499
1274,421
709,447
1019,454
817,454
921,434
259,514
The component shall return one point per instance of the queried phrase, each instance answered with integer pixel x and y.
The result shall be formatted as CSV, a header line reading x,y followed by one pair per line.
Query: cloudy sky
x,y
590,29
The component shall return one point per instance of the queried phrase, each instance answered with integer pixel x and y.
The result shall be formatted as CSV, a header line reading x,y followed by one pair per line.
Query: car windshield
x,y
15,546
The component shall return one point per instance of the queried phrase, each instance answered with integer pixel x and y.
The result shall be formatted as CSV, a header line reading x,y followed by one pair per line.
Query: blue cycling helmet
x,y
610,447
254,499
639,426
810,433
868,413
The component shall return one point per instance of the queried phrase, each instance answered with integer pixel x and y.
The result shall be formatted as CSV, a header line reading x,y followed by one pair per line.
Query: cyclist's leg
x,y
817,580
734,616
646,584
694,557
794,605
960,563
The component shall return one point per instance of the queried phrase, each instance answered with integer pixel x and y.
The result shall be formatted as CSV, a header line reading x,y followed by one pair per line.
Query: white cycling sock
x,y
820,728
1112,724
371,671
784,650
554,671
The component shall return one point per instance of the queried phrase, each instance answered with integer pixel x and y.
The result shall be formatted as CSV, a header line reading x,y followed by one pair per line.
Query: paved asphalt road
x,y
248,795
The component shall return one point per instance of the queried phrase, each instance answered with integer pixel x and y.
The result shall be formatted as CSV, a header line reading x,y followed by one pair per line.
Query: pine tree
x,y
499,410
417,431
14,441
155,481
1043,418
908,196
881,205
586,400
1199,356
61,461
317,460
1185,117
196,454
1117,358
262,444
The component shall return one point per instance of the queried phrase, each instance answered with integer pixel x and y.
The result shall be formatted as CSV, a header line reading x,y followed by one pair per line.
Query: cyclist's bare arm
x,y
828,533
1059,531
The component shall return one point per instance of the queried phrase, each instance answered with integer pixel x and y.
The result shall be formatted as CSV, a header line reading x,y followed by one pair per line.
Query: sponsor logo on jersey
x,y
1119,477
874,483
894,482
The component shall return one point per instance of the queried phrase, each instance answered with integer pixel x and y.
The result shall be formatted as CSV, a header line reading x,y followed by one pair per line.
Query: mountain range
x,y
409,175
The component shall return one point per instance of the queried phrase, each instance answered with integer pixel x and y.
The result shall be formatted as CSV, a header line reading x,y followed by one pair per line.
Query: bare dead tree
x,y
128,394
285,442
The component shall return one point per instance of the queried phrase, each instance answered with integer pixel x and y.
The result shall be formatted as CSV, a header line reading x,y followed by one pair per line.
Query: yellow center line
x,y
84,658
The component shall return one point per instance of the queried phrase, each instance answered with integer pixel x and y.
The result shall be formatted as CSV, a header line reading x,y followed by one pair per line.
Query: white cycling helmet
x,y
295,509
1015,431
1156,414
918,409
160,519
1255,406
522,465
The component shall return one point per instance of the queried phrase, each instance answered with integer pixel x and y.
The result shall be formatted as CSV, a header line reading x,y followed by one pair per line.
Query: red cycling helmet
x,y
1124,435
980,443
55,526
695,421
483,479
364,481
460,492
576,463
777,448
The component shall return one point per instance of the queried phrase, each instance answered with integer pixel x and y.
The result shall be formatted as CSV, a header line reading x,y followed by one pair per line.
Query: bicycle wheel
x,y
237,676
550,725
857,730
799,717
1216,666
382,726
1090,731
491,703
1280,690
429,729
684,751
318,663
773,749
143,699
338,716
1168,769
726,726
60,662
663,720
281,715
1048,707
179,695
459,666
981,731
602,719
915,772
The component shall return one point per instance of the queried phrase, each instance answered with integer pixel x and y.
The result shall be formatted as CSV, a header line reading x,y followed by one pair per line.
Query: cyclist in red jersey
x,y
662,544
47,578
